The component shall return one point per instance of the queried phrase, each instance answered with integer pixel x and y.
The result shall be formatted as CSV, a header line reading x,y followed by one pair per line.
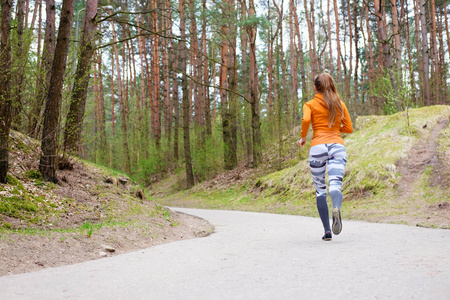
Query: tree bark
x,y
330,65
44,72
426,66
74,120
301,57
185,102
348,74
233,86
419,58
312,38
434,55
49,144
446,28
338,44
127,160
294,66
254,89
176,105
384,45
405,18
101,110
207,100
244,71
5,87
19,60
156,111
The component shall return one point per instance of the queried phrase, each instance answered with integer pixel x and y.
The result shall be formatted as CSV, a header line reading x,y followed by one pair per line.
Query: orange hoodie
x,y
315,111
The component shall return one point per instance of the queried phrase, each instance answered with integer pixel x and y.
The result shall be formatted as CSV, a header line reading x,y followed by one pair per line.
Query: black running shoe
x,y
337,223
327,236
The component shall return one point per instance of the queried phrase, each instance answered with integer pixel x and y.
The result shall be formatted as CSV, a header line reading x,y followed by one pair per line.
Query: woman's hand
x,y
302,142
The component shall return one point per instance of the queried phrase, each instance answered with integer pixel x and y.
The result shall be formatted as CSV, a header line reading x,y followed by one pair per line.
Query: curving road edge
x,y
259,256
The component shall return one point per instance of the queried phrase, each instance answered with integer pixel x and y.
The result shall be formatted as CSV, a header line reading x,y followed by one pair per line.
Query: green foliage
x,y
154,164
13,181
382,87
33,174
17,207
88,228
207,157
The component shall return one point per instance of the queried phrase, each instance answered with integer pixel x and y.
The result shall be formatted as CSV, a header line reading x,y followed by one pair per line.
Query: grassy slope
x,y
28,203
370,183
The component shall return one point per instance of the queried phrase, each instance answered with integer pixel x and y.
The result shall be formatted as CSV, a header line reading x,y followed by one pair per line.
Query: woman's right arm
x,y
306,120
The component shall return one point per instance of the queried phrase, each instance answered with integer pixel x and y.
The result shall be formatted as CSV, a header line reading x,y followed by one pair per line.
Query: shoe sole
x,y
327,239
337,223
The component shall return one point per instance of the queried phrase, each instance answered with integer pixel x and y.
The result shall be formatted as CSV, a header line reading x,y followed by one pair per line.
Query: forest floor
x,y
91,213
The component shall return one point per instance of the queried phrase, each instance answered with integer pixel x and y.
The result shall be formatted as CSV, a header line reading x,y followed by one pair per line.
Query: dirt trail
x,y
423,154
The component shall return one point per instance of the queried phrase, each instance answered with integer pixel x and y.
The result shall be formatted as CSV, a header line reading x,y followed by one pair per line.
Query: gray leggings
x,y
335,156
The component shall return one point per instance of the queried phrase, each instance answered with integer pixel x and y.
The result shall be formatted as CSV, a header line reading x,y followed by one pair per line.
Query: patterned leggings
x,y
336,157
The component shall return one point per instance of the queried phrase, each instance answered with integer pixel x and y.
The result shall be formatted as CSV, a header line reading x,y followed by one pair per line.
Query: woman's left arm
x,y
347,126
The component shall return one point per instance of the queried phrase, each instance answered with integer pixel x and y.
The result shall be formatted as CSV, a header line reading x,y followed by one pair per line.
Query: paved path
x,y
260,256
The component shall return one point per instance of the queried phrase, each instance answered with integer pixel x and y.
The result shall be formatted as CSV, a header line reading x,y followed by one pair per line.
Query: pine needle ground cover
x,y
387,179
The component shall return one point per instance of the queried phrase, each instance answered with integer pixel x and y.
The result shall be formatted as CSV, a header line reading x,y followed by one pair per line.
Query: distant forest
x,y
197,86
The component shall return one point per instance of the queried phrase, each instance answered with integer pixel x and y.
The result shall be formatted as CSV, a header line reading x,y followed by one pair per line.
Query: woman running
x,y
329,117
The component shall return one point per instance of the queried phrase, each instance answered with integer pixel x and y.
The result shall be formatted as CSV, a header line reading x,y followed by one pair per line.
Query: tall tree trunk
x,y
310,19
330,63
156,111
5,86
49,144
226,78
300,56
434,55
384,45
419,57
19,60
167,23
254,88
207,100
285,108
338,44
444,66
356,36
294,66
426,66
244,71
176,104
74,120
405,20
396,34
397,45
446,28
127,160
44,72
233,85
197,90
113,104
185,102
349,73
101,110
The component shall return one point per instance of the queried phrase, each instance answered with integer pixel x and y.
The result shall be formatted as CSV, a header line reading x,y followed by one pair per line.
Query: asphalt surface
x,y
260,256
